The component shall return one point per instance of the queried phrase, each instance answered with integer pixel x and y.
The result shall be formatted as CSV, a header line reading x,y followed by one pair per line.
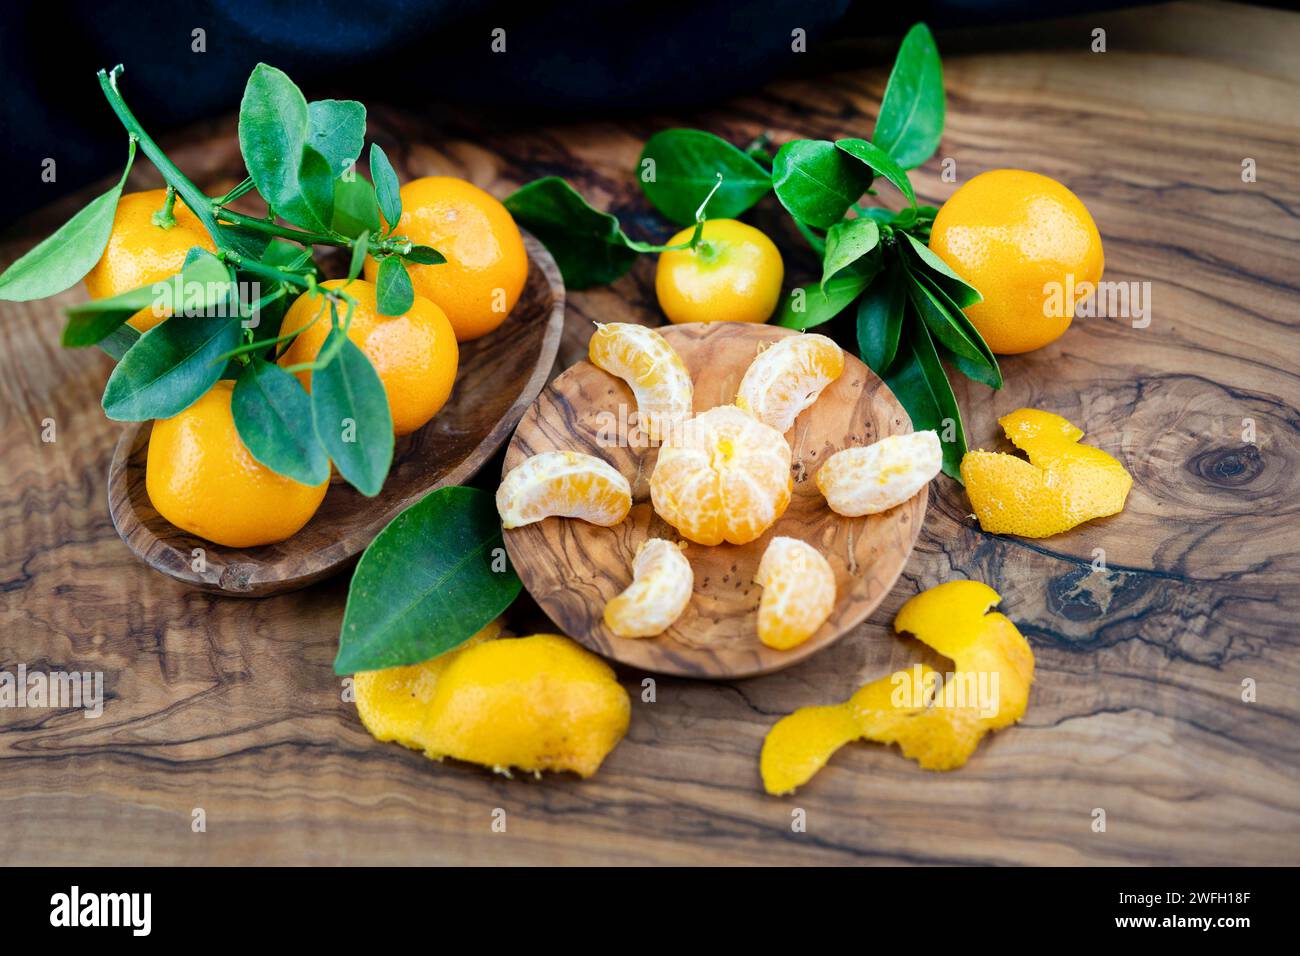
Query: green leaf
x,y
118,342
360,246
881,162
355,208
846,243
911,113
350,415
173,364
984,369
271,410
337,130
203,282
880,319
274,126
686,165
918,380
424,256
393,290
427,583
943,327
956,288
817,182
588,245
63,259
247,242
809,306
387,188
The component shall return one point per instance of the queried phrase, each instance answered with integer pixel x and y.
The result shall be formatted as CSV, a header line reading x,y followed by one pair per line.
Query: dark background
x,y
583,58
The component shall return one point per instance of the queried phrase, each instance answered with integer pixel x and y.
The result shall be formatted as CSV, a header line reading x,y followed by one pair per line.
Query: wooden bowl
x,y
499,376
573,568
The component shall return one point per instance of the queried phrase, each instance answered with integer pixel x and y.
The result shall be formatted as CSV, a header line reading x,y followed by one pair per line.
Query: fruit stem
x,y
163,217
199,204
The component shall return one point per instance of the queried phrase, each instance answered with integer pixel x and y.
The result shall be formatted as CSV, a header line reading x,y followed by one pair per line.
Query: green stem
x,y
246,186
199,204
163,218
275,229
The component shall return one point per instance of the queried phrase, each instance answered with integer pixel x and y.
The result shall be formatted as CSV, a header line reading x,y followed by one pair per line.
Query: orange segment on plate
x,y
567,484
798,592
662,581
936,719
1062,485
722,476
874,478
786,378
652,369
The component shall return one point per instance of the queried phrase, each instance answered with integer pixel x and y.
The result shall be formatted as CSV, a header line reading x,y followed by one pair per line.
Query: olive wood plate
x,y
498,377
573,568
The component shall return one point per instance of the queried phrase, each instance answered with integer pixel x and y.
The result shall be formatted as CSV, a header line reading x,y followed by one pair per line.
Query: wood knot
x,y
1228,467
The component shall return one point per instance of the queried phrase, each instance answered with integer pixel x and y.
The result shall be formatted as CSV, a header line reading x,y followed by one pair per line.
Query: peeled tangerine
x,y
874,478
938,728
567,484
787,377
536,703
1062,485
798,592
662,582
722,476
652,369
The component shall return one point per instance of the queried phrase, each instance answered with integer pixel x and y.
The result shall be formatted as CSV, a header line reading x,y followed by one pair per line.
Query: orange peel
x,y
1063,484
651,367
536,703
929,715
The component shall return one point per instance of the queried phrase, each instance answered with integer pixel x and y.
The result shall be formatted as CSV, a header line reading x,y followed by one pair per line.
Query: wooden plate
x,y
572,568
500,374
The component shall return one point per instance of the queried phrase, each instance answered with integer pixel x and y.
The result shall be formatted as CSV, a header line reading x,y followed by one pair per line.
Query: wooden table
x,y
231,706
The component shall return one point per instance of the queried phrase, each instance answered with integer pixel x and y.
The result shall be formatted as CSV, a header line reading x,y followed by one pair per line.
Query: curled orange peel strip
x,y
1063,484
936,719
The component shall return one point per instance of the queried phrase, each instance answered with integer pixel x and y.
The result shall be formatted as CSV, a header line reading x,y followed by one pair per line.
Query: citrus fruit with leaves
x,y
733,274
140,252
202,479
415,354
722,476
1017,236
486,264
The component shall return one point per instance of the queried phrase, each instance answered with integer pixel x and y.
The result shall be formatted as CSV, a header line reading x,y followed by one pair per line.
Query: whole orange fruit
x,y
733,275
486,263
202,479
139,253
1030,247
415,354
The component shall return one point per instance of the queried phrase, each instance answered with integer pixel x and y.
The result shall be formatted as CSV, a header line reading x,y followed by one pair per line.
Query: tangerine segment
x,y
1062,485
662,582
936,719
874,478
652,368
798,592
537,703
567,484
722,476
787,377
